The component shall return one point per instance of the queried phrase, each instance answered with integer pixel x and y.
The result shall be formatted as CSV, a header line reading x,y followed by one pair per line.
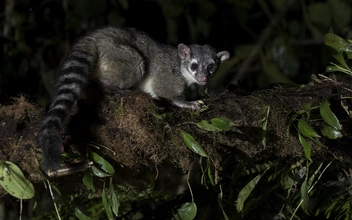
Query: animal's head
x,y
199,62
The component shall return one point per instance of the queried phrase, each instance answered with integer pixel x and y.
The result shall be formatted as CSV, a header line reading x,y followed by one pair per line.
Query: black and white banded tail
x,y
73,76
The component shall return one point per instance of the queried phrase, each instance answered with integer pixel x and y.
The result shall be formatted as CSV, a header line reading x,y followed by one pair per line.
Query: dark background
x,y
36,35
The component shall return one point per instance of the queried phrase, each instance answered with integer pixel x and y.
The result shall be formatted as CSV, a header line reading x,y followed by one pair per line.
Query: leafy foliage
x,y
187,212
14,182
101,168
193,144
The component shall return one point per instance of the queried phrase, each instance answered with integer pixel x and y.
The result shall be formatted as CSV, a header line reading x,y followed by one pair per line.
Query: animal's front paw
x,y
196,105
193,105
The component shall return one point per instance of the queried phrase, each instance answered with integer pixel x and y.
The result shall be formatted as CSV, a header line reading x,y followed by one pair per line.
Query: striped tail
x,y
73,76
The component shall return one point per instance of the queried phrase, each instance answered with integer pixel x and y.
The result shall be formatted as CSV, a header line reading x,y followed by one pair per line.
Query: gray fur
x,y
124,58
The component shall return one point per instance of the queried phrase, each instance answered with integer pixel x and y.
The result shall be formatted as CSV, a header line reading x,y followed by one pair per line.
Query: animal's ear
x,y
223,55
184,51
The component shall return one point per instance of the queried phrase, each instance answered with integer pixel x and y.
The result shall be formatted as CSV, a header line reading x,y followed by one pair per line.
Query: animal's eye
x,y
210,67
194,66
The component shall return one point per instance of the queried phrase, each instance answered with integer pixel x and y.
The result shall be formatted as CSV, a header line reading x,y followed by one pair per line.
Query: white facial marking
x,y
193,61
188,76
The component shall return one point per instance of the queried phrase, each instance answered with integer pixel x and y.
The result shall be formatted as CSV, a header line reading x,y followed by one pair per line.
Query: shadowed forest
x,y
274,140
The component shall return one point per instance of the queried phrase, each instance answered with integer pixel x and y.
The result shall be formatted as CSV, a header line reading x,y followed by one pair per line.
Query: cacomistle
x,y
123,58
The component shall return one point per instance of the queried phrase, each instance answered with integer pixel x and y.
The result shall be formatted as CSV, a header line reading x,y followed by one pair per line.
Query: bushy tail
x,y
73,76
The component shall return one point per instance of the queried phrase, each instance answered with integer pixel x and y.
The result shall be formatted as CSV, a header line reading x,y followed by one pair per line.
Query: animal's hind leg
x,y
122,68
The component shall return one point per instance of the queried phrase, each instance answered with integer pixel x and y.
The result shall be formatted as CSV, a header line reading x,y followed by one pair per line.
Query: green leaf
x,y
202,178
14,182
306,147
315,174
80,215
192,144
317,142
264,122
304,196
330,69
114,201
328,116
307,108
188,211
338,43
349,56
330,132
286,182
210,176
222,123
205,125
88,181
246,191
56,189
339,57
290,122
160,117
106,204
306,129
102,163
264,126
99,172
70,155
339,68
331,208
220,195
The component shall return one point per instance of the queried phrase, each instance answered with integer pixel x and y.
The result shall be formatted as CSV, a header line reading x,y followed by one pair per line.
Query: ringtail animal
x,y
120,59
